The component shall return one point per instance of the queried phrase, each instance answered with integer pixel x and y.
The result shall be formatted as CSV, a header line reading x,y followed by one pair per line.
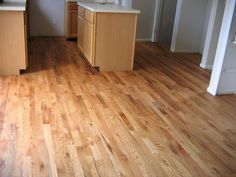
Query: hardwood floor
x,y
59,120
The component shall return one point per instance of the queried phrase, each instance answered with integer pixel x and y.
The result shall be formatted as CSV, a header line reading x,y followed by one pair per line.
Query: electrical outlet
x,y
234,41
54,21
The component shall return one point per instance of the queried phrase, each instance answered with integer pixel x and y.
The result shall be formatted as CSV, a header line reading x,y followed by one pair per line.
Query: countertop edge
x,y
12,9
13,6
130,11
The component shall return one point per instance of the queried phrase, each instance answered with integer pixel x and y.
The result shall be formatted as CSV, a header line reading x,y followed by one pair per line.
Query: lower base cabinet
x,y
107,40
71,20
13,42
89,42
80,34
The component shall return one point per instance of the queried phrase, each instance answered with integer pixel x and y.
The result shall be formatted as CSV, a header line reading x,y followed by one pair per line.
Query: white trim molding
x,y
221,48
157,20
204,66
143,40
176,25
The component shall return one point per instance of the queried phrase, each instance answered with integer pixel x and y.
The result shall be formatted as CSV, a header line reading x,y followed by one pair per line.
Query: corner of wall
x,y
211,91
205,66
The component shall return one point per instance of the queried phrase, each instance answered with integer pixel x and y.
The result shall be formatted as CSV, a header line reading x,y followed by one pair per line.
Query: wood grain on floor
x,y
60,120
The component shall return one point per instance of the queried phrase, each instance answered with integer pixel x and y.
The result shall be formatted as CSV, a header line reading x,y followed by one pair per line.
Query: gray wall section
x,y
213,32
189,34
44,14
146,18
205,27
47,17
228,77
167,21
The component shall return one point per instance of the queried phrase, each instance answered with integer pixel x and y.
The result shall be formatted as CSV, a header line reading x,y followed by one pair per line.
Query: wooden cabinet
x,y
81,30
71,20
26,33
86,33
13,42
89,41
107,40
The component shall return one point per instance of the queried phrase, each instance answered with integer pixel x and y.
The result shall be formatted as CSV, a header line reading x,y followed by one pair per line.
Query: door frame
x,y
157,20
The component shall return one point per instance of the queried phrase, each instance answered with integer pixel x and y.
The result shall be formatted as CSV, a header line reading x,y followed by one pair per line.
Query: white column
x,y
223,80
213,32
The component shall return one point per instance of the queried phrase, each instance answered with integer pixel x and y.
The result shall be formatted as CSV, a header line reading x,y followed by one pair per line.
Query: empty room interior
x,y
117,88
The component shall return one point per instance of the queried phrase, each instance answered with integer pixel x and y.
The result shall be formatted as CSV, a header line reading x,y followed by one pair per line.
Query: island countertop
x,y
107,8
13,6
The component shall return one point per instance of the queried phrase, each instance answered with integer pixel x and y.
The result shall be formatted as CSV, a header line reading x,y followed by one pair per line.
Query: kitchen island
x,y
106,35
13,37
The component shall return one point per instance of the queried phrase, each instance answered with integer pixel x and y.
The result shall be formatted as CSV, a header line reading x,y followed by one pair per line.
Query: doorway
x,y
165,18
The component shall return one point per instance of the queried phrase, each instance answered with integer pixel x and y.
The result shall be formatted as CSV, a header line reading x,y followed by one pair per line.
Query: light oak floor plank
x,y
58,119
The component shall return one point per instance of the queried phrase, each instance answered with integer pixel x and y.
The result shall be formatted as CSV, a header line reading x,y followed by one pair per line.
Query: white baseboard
x,y
229,70
211,91
224,92
204,66
143,40
184,51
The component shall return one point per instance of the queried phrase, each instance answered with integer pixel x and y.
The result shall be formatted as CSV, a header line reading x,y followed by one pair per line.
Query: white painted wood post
x,y
213,32
176,25
218,68
157,21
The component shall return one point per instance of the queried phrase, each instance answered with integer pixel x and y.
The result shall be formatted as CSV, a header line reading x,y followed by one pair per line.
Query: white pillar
x,y
223,80
213,32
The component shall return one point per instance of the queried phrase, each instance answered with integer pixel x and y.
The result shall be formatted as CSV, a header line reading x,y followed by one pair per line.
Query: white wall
x,y
227,82
47,17
213,32
167,21
145,19
206,23
223,80
44,14
189,25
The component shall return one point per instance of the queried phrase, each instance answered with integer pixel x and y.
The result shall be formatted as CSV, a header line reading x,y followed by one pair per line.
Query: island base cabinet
x,y
107,40
115,41
13,42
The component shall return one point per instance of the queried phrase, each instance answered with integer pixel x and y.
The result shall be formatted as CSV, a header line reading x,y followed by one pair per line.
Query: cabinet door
x,y
81,33
26,33
73,22
89,42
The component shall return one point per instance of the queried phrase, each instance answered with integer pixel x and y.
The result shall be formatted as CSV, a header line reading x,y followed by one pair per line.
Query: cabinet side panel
x,y
80,33
115,36
71,20
12,42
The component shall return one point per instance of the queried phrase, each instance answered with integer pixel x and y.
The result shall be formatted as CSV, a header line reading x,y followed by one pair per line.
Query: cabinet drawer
x,y
72,6
89,16
81,11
